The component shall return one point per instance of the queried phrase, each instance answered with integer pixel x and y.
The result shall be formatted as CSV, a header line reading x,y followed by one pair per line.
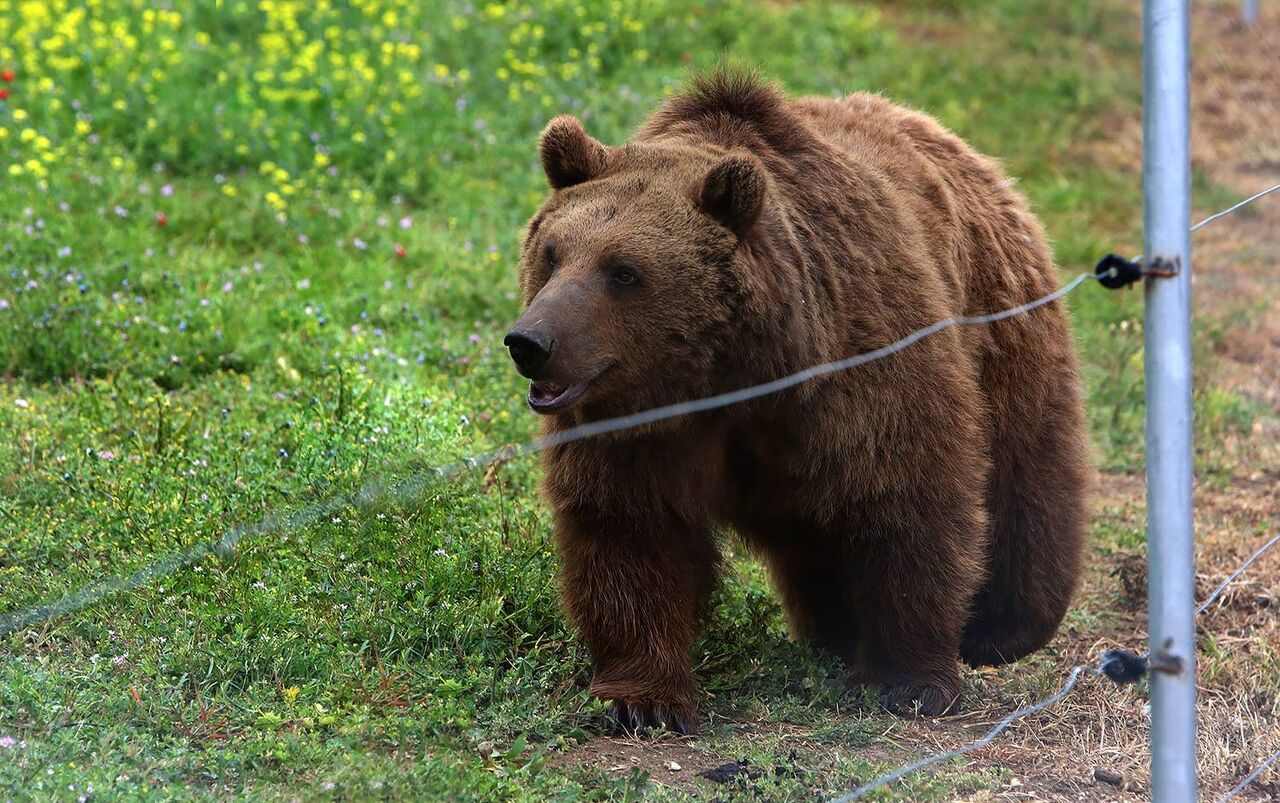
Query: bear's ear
x,y
733,192
569,155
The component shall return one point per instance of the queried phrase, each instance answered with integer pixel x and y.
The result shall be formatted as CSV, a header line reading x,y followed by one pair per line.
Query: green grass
x,y
192,339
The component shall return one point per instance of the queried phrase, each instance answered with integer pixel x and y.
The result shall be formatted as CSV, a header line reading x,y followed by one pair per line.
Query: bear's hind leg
x,y
1038,500
816,595
919,565
1039,513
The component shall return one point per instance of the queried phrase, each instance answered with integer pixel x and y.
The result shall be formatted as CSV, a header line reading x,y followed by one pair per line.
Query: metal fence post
x,y
1166,180
1249,9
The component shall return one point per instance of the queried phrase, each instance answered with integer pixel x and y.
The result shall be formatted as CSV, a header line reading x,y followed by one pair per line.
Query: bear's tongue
x,y
544,392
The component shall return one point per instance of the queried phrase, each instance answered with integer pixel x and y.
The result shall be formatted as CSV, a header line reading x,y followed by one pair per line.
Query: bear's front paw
x,y
929,698
638,702
634,717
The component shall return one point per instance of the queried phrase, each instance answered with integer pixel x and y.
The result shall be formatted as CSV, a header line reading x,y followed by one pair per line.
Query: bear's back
x,y
985,240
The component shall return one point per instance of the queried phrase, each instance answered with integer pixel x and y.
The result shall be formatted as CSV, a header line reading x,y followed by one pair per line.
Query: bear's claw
x,y
925,698
628,718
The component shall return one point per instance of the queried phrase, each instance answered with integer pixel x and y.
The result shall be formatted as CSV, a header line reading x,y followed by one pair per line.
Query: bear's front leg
x,y
921,564
637,592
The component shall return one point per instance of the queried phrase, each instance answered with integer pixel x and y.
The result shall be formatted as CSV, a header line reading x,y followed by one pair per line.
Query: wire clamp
x,y
1123,666
1114,271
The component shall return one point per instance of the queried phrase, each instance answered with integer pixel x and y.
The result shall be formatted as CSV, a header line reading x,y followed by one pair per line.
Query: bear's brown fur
x,y
921,508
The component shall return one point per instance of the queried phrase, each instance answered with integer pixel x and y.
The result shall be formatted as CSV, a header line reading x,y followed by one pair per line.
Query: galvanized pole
x,y
1166,179
1250,11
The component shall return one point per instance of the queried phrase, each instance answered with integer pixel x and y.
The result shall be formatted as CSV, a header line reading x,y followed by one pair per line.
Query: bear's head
x,y
629,271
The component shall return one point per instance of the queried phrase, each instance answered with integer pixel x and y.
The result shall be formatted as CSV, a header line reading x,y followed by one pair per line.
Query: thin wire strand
x,y
373,491
1225,212
1231,209
756,391
990,737
1253,776
1217,592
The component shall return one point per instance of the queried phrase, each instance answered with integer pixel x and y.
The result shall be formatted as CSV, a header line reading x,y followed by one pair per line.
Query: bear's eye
x,y
549,254
622,276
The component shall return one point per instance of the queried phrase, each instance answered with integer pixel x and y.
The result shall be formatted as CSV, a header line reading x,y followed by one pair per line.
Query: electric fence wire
x,y
377,490
1250,778
373,490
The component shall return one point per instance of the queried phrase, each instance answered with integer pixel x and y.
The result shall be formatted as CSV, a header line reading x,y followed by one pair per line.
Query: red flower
x,y
4,93
162,219
400,251
6,76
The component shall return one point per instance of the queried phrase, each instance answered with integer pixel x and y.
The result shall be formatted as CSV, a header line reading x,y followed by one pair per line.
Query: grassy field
x,y
259,255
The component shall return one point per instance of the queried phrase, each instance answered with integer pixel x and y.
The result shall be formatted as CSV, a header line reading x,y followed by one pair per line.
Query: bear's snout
x,y
530,350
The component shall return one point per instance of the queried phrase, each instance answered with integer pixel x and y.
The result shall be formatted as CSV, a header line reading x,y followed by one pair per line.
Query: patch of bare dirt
x,y
670,761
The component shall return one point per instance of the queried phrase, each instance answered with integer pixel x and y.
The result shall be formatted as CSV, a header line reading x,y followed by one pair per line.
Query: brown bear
x,y
919,509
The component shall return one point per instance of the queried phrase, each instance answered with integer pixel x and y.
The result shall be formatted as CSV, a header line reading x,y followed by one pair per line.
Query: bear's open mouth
x,y
545,397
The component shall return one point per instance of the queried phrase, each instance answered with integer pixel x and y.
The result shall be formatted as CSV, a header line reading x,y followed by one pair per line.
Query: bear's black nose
x,y
529,350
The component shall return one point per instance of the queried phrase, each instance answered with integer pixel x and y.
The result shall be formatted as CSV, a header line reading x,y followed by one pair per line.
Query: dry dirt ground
x,y
1102,729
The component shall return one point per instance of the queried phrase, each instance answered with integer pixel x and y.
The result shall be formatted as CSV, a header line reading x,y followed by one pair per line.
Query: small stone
x,y
1108,777
673,766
